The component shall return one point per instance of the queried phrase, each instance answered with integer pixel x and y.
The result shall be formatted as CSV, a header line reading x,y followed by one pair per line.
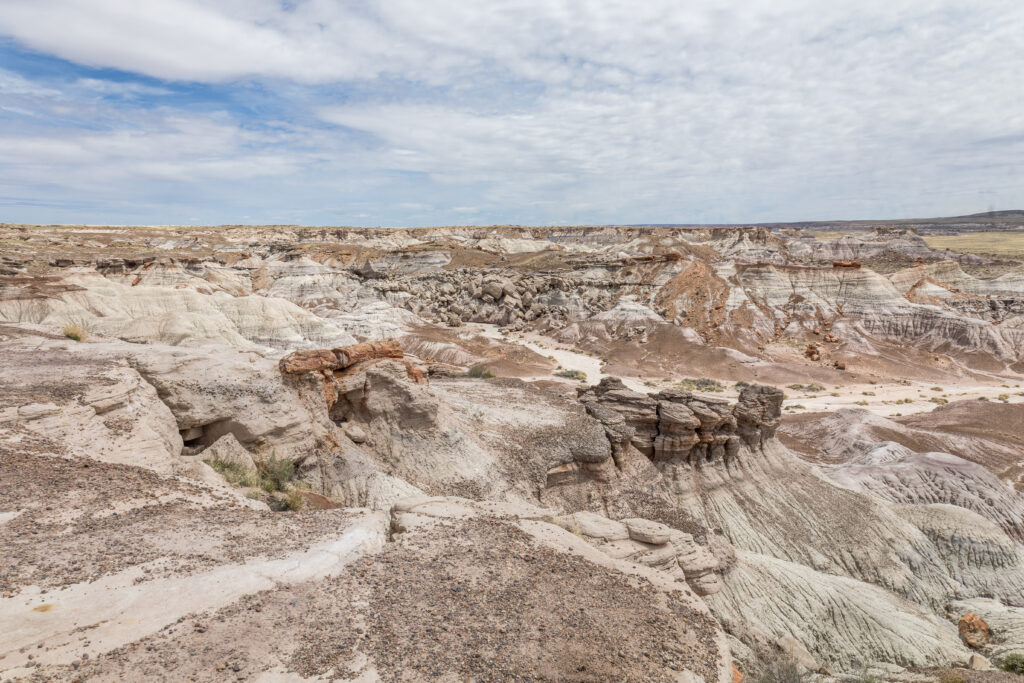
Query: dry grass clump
x,y
236,474
270,482
577,375
701,384
74,331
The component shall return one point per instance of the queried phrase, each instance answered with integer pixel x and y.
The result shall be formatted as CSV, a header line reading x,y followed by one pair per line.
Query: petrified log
x,y
312,360
350,355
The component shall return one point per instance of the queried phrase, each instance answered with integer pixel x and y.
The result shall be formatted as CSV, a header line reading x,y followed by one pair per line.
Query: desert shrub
x,y
293,501
575,374
940,401
480,372
1005,398
1013,662
235,474
937,389
781,670
741,384
74,331
795,387
860,403
275,473
867,393
286,501
814,386
701,384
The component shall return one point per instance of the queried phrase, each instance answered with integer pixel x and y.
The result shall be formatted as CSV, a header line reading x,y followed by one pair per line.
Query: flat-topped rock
x,y
646,531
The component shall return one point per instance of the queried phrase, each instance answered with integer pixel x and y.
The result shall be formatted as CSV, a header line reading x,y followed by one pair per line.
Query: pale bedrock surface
x,y
892,472
176,316
841,621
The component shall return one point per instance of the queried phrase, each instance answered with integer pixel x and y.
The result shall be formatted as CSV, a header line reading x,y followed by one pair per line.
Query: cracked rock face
x,y
676,426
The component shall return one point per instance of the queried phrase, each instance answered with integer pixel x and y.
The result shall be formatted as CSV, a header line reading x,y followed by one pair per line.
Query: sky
x,y
438,112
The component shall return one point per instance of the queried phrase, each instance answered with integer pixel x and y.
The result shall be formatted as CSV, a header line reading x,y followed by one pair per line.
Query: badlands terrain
x,y
636,453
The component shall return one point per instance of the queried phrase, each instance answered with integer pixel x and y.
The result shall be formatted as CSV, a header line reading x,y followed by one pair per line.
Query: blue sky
x,y
424,112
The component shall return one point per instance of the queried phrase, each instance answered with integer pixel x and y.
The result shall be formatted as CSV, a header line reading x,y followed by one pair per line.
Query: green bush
x,y
275,473
234,473
1014,663
480,372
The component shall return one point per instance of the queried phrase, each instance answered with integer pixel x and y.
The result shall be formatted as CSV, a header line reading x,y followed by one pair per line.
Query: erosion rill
x,y
523,453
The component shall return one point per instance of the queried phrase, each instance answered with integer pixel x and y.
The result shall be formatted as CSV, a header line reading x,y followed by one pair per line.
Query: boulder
x,y
646,531
594,526
979,663
973,630
356,433
228,450
312,360
493,289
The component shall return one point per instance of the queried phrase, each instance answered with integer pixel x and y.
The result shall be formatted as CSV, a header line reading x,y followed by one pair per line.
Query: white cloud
x,y
558,111
127,89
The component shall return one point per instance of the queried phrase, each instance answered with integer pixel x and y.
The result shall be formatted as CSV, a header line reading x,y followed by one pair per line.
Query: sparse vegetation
x,y
1014,663
74,331
480,372
813,386
867,393
235,474
951,677
701,384
781,670
1005,243
292,500
578,375
861,403
940,401
741,384
275,472
269,482
1005,398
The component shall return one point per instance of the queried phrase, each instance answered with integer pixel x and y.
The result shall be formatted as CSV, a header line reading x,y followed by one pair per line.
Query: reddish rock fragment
x,y
973,630
350,355
298,362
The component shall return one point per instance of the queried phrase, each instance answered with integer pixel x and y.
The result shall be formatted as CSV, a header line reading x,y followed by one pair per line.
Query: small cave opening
x,y
198,438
